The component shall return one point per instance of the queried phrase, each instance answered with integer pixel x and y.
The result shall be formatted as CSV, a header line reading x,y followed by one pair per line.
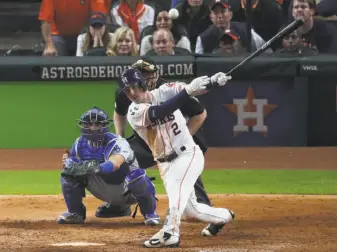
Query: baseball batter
x,y
156,117
192,110
105,165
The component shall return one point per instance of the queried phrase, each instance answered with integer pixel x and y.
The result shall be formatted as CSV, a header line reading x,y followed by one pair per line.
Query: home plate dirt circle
x,y
76,244
264,223
273,223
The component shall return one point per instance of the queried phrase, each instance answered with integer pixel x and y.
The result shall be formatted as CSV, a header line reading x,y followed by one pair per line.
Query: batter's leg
x,y
217,217
179,177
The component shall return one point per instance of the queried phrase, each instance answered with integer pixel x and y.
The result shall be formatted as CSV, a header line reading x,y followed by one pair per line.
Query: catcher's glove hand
x,y
80,171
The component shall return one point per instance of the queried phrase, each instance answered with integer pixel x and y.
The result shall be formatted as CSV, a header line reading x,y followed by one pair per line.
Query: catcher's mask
x,y
149,72
94,124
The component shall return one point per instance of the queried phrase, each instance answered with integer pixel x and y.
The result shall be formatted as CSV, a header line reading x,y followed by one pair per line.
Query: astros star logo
x,y
250,113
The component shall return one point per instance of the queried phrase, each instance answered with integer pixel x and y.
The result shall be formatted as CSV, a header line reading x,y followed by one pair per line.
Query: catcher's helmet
x,y
132,77
94,124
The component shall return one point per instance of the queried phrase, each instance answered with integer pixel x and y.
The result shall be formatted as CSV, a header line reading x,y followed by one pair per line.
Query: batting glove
x,y
220,78
197,85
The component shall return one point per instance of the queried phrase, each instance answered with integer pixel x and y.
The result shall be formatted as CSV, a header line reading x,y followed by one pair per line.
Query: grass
x,y
215,181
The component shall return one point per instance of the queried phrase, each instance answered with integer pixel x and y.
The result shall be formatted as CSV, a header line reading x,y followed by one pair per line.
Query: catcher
x,y
105,165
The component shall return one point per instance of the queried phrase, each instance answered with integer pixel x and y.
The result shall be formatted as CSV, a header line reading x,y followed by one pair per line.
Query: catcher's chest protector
x,y
86,152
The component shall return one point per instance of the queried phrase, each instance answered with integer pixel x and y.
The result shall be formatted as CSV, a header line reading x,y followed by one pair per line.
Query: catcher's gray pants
x,y
112,194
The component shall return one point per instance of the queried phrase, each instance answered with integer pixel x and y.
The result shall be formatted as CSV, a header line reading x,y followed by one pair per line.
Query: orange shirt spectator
x,y
66,18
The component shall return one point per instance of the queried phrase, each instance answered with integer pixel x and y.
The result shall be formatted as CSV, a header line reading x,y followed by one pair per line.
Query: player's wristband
x,y
106,167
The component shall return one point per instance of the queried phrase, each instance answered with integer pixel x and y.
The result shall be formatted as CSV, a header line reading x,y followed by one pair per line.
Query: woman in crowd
x,y
163,21
123,43
97,35
134,14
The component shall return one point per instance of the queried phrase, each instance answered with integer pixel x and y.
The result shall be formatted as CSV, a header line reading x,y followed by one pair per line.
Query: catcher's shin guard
x,y
73,193
143,190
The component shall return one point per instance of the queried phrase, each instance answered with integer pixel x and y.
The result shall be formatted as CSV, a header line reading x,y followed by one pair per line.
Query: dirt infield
x,y
264,222
324,158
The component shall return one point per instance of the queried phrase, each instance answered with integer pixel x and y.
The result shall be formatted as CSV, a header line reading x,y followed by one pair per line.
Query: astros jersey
x,y
165,135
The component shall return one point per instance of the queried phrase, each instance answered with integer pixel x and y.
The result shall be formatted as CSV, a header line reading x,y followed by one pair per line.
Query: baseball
x,y
173,14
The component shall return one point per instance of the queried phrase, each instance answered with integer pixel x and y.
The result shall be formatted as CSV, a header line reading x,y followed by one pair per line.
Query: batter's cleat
x,y
162,240
72,218
110,211
151,219
214,229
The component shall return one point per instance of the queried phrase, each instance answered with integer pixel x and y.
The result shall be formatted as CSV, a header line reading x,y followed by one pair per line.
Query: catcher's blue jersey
x,y
112,144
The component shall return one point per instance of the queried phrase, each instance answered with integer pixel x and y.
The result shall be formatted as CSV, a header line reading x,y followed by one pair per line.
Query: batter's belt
x,y
171,156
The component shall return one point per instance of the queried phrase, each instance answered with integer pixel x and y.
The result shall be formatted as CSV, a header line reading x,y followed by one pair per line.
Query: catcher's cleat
x,y
151,219
72,218
109,211
162,240
214,229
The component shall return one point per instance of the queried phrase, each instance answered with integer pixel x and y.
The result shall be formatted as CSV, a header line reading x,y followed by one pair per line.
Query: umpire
x,y
193,111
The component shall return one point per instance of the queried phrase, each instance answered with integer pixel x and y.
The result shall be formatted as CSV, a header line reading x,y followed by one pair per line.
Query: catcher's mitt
x,y
80,171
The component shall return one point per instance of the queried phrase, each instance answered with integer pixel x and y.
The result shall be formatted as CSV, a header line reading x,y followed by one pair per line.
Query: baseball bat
x,y
287,30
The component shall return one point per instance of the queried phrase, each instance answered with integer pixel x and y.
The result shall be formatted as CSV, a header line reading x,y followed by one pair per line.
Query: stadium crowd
x,y
182,27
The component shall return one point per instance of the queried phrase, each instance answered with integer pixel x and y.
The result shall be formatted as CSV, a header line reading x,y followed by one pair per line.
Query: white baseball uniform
x,y
165,137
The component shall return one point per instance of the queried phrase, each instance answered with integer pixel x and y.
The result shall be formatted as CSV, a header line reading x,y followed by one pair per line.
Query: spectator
x,y
327,8
315,33
194,17
163,21
134,14
292,44
158,4
221,16
163,45
230,43
286,9
123,43
267,17
62,21
97,35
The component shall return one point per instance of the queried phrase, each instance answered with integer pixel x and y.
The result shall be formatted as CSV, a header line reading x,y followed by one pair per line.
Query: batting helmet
x,y
132,77
149,72
94,124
